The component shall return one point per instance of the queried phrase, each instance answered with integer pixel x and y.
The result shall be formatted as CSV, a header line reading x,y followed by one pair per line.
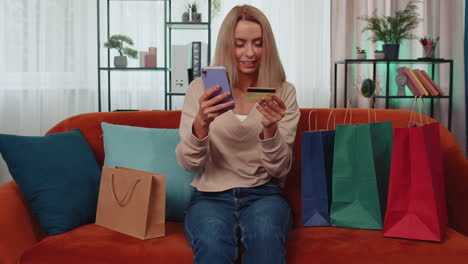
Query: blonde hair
x,y
271,72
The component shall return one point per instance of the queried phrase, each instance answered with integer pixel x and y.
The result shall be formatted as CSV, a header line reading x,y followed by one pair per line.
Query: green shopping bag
x,y
361,169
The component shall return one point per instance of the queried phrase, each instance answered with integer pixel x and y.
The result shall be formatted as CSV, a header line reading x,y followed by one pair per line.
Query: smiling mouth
x,y
248,63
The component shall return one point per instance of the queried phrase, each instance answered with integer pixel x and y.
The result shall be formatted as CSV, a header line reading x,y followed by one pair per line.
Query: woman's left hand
x,y
273,110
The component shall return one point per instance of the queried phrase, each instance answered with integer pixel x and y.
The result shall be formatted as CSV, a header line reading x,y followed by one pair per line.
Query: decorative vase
x,y
196,17
186,17
401,81
379,55
428,52
361,56
391,51
142,58
368,88
120,61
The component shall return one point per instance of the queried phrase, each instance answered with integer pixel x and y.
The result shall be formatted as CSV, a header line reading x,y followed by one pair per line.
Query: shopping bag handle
x,y
334,117
350,112
412,121
130,190
316,116
369,110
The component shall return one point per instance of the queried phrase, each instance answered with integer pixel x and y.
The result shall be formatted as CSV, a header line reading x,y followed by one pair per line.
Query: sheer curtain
x,y
48,69
440,18
49,56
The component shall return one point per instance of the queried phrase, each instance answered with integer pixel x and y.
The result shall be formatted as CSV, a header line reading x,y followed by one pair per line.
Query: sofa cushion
x,y
151,149
59,176
346,245
95,244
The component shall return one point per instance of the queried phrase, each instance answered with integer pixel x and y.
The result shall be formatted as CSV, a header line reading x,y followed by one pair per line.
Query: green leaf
x,y
393,29
117,42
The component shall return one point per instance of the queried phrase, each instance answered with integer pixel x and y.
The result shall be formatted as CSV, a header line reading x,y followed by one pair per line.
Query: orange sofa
x,y
23,241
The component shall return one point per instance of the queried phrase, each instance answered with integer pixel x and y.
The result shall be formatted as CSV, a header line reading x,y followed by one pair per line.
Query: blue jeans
x,y
259,217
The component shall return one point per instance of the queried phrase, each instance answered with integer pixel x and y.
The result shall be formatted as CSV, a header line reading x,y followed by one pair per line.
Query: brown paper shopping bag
x,y
132,202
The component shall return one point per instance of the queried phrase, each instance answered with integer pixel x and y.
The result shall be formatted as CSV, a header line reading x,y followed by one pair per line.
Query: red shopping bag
x,y
416,207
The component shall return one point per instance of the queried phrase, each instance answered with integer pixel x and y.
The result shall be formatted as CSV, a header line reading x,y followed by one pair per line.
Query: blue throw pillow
x,y
153,150
59,176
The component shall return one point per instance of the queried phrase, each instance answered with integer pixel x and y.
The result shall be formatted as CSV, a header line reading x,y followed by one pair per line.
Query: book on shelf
x,y
411,83
441,92
198,58
418,82
427,84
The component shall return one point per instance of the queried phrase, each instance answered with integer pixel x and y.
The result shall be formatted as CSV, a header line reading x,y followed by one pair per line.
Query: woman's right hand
x,y
209,109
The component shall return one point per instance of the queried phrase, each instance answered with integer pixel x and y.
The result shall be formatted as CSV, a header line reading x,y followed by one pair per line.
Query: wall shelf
x,y
386,97
170,28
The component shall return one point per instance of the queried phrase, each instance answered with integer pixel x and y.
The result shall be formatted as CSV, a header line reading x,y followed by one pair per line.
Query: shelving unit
x,y
170,26
174,27
387,95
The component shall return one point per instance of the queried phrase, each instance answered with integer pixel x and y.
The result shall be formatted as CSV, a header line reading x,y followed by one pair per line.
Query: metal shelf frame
x,y
169,26
386,97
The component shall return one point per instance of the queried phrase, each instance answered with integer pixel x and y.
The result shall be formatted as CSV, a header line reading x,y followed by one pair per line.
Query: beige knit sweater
x,y
233,155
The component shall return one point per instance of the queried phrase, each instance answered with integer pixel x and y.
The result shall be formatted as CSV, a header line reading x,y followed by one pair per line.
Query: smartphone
x,y
214,76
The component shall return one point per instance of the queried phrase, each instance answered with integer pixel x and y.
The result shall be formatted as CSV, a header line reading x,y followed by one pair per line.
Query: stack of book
x,y
420,83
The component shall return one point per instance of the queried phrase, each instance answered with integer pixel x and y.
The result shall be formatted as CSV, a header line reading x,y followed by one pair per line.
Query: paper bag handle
x,y
348,106
329,117
412,120
130,190
316,116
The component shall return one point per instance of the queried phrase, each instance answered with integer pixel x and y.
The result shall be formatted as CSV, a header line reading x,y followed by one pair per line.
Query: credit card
x,y
256,93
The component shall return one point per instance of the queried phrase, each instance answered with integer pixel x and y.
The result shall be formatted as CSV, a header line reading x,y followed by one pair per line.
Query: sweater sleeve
x,y
276,152
191,152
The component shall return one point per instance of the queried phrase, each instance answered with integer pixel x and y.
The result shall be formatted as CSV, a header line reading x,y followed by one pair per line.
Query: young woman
x,y
241,154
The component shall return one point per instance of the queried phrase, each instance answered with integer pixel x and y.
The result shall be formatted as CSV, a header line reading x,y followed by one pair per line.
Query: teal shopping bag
x,y
361,169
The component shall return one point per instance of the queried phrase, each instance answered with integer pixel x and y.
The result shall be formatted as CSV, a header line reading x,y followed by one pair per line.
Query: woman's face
x,y
248,46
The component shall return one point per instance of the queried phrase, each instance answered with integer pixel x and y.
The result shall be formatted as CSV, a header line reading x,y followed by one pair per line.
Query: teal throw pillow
x,y
153,150
59,176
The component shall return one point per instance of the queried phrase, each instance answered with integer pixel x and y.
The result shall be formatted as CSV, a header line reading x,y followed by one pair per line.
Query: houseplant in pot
x,y
391,30
360,54
186,14
196,17
117,42
379,54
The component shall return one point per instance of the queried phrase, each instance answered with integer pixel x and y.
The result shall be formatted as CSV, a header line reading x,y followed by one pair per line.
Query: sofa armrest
x,y
19,229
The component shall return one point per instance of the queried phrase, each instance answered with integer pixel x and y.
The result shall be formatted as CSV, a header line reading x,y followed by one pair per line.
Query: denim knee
x,y
266,230
212,243
211,231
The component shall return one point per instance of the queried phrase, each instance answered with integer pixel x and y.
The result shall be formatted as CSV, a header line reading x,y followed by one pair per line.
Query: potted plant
x,y
379,54
117,42
215,8
391,30
196,17
360,54
186,14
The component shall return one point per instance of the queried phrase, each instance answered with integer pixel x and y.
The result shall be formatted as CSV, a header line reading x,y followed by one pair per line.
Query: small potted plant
x,y
360,54
117,42
391,30
186,14
379,54
196,17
